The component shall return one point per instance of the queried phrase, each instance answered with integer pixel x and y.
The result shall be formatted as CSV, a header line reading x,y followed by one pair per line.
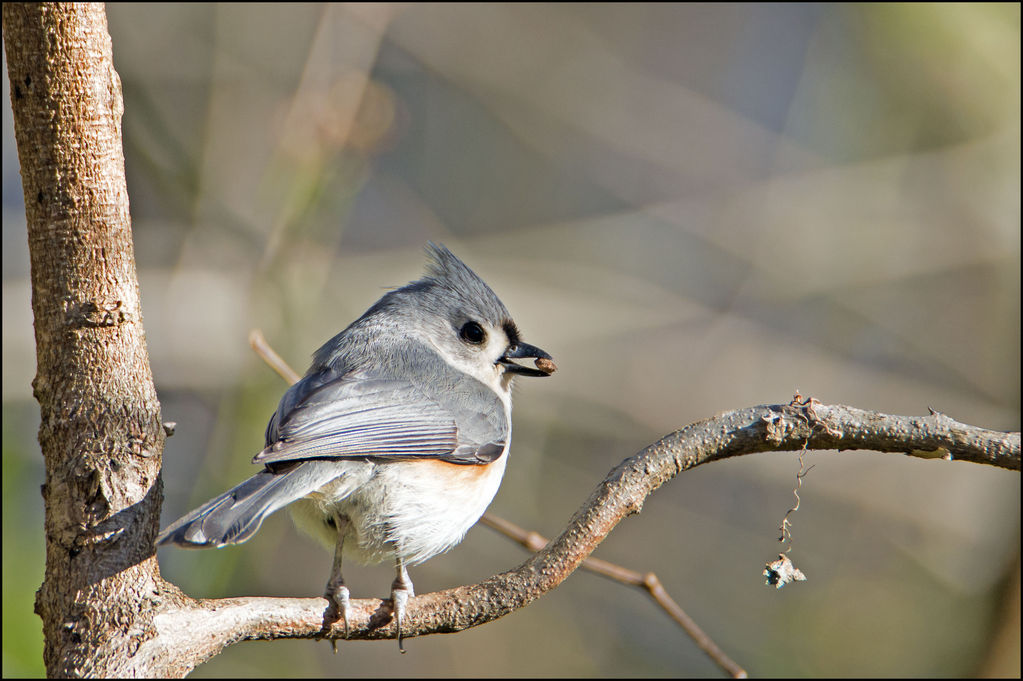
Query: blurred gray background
x,y
694,208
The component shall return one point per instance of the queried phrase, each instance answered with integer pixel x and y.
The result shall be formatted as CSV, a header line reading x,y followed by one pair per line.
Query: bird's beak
x,y
544,362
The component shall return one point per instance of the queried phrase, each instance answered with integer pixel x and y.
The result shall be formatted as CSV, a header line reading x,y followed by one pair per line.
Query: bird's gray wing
x,y
358,416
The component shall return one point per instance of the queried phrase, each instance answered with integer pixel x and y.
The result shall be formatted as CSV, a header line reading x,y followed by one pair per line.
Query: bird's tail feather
x,y
235,515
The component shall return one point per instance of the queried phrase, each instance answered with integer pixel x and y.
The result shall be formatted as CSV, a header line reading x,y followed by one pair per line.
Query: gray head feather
x,y
454,282
449,295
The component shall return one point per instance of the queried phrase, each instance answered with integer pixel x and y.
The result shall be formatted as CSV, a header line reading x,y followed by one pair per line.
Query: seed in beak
x,y
545,365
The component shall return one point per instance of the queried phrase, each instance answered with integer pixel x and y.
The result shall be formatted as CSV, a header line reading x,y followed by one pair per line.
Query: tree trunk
x,y
101,434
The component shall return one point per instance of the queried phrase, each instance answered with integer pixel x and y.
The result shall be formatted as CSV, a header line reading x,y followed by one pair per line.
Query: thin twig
x,y
649,582
786,526
263,349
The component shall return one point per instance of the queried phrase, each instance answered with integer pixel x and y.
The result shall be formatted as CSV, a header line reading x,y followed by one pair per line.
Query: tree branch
x,y
781,427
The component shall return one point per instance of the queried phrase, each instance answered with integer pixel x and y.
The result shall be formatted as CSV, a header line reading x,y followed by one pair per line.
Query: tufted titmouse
x,y
395,441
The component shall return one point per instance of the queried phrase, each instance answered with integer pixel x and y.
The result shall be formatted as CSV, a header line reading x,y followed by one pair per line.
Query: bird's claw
x,y
400,593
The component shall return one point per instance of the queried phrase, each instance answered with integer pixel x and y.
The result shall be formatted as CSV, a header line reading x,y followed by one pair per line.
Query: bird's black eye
x,y
472,333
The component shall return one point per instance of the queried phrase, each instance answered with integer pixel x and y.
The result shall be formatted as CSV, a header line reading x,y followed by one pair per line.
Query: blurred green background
x,y
694,208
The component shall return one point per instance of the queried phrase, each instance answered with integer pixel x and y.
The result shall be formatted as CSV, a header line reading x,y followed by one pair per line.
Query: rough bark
x,y
100,435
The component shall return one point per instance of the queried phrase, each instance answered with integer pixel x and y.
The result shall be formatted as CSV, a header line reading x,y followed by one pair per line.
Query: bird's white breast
x,y
417,508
